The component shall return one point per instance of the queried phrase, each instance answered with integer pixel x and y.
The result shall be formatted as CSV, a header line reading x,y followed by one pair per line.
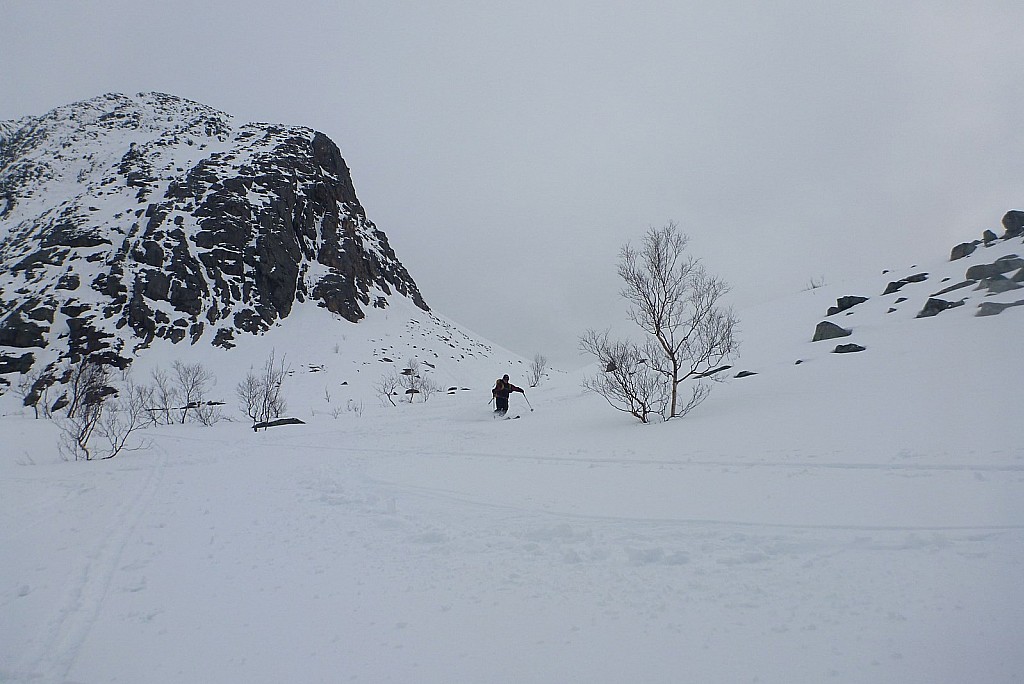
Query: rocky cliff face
x,y
129,218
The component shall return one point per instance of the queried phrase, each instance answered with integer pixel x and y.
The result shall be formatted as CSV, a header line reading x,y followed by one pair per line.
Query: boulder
x,y
848,348
844,303
1010,262
935,306
826,330
1013,222
962,250
995,308
998,283
896,285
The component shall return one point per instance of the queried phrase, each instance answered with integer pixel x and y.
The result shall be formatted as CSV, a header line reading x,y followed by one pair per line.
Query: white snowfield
x,y
852,518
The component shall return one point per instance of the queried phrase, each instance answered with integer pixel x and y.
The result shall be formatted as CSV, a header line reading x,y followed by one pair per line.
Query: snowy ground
x,y
853,518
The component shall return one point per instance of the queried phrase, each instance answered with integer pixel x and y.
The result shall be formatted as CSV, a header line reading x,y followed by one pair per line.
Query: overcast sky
x,y
508,150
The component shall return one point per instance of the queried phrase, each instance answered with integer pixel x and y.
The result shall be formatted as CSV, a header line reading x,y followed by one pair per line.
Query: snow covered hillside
x,y
854,517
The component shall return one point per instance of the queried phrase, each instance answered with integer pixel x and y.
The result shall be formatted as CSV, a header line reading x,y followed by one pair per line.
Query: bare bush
x,y
76,430
115,416
387,386
192,381
536,371
260,394
165,398
124,416
87,382
415,381
427,387
31,388
86,392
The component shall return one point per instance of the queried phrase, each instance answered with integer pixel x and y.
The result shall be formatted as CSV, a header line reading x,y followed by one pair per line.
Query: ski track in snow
x,y
67,630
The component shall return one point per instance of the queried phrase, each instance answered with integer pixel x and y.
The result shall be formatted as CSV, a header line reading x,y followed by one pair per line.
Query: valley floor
x,y
430,543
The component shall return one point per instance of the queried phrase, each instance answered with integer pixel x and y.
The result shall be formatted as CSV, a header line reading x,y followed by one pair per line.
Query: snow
x,y
851,518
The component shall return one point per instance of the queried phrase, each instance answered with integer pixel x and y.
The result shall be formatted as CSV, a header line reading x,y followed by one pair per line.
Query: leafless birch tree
x,y
677,304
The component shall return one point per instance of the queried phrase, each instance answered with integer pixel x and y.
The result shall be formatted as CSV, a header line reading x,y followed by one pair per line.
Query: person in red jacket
x,y
503,388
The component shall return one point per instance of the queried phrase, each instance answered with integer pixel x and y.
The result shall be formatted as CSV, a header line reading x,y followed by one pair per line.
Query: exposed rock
x,y
896,285
1013,222
848,348
827,330
935,306
264,218
995,308
745,374
15,331
844,303
962,250
16,364
989,237
997,284
1010,262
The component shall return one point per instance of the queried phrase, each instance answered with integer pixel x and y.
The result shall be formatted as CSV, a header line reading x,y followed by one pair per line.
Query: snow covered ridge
x,y
129,219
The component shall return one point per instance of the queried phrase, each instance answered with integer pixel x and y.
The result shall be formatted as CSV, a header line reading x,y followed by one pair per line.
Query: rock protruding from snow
x,y
1013,223
935,306
149,216
844,303
826,330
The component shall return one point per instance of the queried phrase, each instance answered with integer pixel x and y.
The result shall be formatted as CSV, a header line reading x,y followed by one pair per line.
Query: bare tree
x,y
87,382
77,430
627,381
676,303
31,388
192,381
127,414
427,387
260,394
536,370
387,386
165,397
87,390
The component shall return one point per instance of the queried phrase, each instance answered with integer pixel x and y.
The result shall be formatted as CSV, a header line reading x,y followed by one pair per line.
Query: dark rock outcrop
x,y
848,348
1010,262
844,303
897,285
1013,223
826,330
199,229
995,308
935,306
962,250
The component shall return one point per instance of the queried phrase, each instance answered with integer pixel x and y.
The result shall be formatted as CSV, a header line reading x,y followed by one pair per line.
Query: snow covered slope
x,y
129,219
843,517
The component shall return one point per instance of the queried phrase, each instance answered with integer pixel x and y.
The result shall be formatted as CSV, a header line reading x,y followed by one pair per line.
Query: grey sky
x,y
509,149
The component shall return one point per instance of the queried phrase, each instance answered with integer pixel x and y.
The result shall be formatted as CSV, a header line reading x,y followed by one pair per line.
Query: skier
x,y
503,388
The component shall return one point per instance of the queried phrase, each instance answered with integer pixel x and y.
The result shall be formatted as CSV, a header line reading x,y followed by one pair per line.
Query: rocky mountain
x,y
126,219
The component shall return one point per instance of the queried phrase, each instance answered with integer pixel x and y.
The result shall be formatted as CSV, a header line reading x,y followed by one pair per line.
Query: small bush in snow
x,y
536,371
260,394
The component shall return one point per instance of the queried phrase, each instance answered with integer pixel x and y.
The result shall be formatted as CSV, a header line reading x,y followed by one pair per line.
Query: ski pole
x,y
527,401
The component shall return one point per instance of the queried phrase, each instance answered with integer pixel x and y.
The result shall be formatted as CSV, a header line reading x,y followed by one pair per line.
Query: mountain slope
x,y
127,219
